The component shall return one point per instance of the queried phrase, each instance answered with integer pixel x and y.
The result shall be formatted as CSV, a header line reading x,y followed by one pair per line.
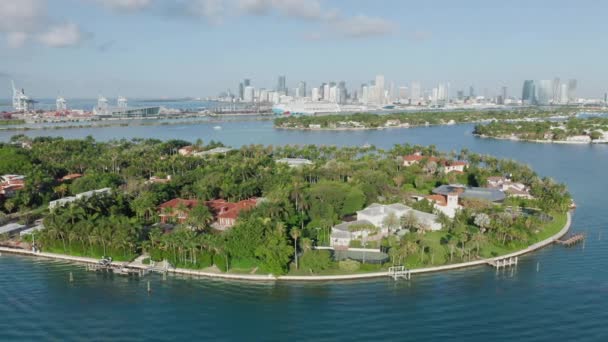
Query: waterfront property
x,y
10,184
378,221
81,196
224,213
447,165
468,192
508,186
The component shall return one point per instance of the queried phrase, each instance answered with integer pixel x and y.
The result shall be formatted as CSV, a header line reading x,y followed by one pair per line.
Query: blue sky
x,y
151,48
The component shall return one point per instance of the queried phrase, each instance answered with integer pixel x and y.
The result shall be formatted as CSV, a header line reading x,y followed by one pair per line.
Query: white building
x,y
84,195
122,102
446,204
294,162
248,94
61,104
376,215
315,94
379,90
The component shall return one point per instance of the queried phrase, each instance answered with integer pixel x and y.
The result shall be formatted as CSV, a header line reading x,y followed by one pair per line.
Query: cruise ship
x,y
314,108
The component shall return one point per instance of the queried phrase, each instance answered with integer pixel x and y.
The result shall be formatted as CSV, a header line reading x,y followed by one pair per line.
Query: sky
x,y
160,48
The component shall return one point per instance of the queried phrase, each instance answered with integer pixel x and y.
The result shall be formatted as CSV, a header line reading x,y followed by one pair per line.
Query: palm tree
x,y
295,234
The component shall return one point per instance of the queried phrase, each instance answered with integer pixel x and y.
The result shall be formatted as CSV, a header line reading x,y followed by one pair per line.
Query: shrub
x,y
349,265
316,260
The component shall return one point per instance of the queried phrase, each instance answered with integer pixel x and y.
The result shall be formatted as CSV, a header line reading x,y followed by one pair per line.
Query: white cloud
x,y
22,15
16,40
301,9
363,26
22,19
129,5
63,35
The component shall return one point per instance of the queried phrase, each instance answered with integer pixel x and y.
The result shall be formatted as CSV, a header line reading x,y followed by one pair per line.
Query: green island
x,y
573,130
296,210
413,119
6,122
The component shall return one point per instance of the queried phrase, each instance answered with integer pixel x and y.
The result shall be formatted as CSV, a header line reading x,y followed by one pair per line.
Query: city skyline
x,y
143,48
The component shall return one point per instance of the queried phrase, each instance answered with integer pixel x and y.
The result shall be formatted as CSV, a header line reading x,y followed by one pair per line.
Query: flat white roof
x,y
11,227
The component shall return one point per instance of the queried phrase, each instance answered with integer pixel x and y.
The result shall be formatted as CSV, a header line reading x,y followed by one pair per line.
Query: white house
x,y
376,215
446,204
454,166
294,162
509,187
84,195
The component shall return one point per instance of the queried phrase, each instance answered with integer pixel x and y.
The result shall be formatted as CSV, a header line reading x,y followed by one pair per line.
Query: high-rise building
x,y
563,94
342,93
528,96
555,98
315,94
282,85
415,92
379,90
248,95
301,89
333,96
544,92
504,92
326,91
241,91
572,91
471,92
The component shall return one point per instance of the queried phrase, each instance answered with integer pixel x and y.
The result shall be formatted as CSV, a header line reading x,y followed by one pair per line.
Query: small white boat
x,y
217,128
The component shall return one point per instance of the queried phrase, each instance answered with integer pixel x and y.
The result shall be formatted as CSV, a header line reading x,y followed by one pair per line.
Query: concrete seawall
x,y
269,277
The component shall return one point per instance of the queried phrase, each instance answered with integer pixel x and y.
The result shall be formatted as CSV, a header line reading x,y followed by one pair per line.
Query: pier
x,y
397,272
572,240
503,262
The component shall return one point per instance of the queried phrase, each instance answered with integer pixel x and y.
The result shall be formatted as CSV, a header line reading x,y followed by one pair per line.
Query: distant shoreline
x,y
136,122
563,142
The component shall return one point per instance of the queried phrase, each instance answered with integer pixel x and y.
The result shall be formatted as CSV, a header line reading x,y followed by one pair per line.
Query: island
x,y
362,121
572,131
269,211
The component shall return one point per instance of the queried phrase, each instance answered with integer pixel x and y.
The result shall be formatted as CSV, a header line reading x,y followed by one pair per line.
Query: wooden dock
x,y
572,240
504,262
397,272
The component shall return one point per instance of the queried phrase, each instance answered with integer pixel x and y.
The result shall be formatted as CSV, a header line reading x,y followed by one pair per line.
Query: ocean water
x,y
565,300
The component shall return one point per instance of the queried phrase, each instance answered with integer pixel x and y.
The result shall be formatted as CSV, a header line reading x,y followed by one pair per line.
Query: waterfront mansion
x,y
373,224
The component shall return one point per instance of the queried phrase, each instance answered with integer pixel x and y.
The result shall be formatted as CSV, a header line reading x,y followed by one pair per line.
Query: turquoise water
x,y
565,301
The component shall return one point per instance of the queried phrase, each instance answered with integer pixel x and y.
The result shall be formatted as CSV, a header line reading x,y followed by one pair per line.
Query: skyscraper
x,y
282,85
563,94
544,92
528,96
471,91
504,92
248,95
379,90
556,90
241,91
301,89
571,90
415,92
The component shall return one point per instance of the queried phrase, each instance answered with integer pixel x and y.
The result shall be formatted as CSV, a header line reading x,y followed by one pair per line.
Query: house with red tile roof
x,y
446,203
10,184
177,208
415,158
224,213
454,166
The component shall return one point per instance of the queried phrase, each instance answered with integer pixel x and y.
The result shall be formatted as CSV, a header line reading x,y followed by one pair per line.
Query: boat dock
x,y
572,240
397,272
503,262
